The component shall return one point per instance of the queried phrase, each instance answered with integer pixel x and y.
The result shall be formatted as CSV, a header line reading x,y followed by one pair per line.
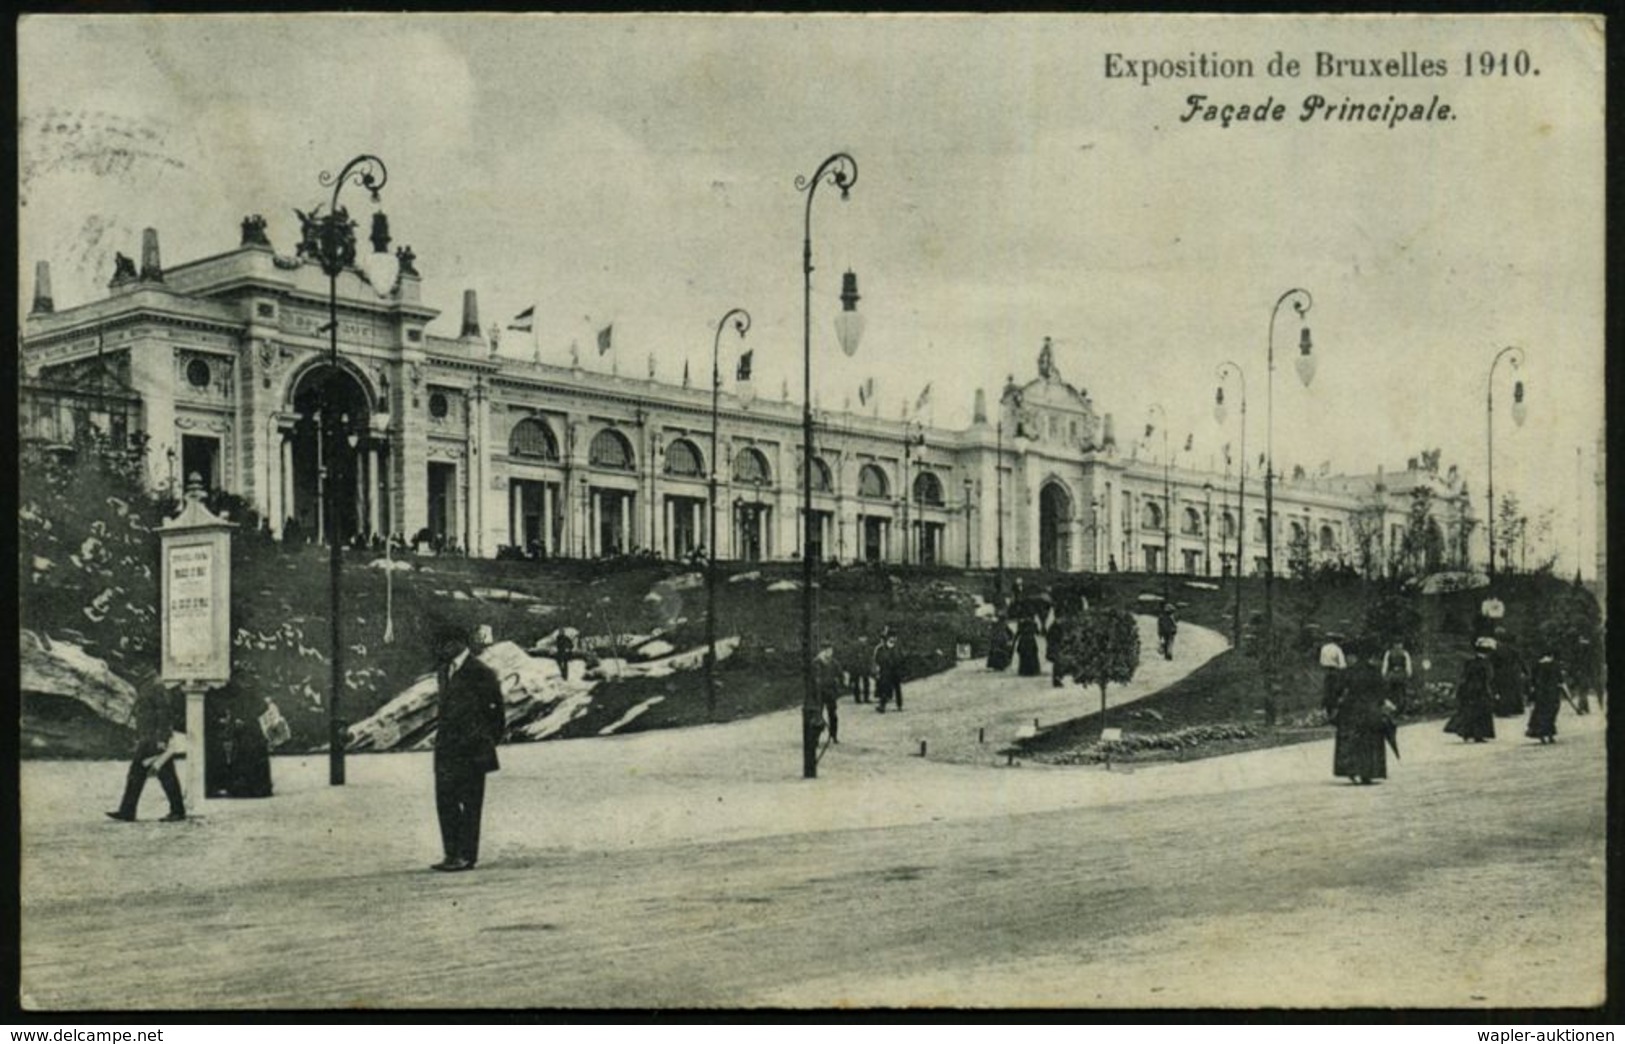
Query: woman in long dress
x,y
999,650
1474,720
1546,696
1355,706
1027,647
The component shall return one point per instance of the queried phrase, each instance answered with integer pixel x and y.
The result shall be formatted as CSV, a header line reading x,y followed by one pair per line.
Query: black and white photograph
x,y
808,512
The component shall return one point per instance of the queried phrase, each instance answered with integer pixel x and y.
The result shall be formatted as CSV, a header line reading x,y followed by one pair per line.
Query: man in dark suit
x,y
153,719
465,748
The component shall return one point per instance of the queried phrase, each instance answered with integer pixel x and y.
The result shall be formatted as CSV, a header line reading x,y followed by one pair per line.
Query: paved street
x,y
696,868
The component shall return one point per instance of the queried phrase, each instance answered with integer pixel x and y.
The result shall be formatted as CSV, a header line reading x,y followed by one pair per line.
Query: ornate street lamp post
x,y
1225,370
913,435
329,239
840,170
1301,303
741,321
1207,529
1514,357
968,485
1167,496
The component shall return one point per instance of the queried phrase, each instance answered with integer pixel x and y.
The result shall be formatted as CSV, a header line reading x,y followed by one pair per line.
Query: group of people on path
x,y
238,735
1363,702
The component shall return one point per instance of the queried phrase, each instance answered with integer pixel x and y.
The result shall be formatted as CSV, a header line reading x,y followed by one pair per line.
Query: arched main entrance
x,y
1054,527
330,405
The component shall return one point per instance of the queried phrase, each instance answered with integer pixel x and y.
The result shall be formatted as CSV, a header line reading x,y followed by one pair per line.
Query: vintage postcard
x,y
710,511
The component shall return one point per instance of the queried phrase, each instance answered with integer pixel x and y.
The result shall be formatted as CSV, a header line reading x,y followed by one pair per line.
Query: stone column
x,y
593,549
287,504
699,528
374,516
667,536
547,519
626,522
516,514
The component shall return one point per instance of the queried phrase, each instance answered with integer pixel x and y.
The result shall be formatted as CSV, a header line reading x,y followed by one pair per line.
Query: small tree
x,y
1511,527
1101,646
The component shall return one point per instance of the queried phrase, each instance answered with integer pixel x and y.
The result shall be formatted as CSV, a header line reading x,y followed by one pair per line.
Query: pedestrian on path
x,y
1396,676
1332,665
860,664
1509,678
888,672
1546,691
1167,630
1027,648
1000,647
563,646
1474,720
465,748
154,720
1052,649
827,683
1356,707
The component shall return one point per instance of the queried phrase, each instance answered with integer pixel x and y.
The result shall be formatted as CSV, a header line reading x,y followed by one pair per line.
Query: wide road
x,y
674,871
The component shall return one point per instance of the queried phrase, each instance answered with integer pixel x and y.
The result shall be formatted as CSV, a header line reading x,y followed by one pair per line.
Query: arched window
x,y
1193,522
1151,515
533,439
750,466
872,482
821,480
683,458
610,450
1258,529
928,489
1294,532
1227,525
1328,539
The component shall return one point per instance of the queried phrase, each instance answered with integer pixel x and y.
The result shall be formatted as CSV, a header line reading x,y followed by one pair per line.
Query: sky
x,y
640,171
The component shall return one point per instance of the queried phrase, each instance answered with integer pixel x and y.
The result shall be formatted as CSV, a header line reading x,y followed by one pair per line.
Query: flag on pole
x,y
685,373
866,391
925,397
605,338
525,321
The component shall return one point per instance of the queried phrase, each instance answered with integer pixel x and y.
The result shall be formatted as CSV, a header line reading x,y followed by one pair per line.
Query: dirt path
x,y
969,714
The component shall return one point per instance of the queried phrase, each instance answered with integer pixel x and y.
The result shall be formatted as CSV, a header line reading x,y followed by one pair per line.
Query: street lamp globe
x,y
381,267
1306,358
849,323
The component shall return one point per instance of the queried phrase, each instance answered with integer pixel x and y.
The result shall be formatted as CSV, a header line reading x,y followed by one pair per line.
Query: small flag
x,y
925,397
1188,439
604,338
1261,460
866,391
525,320
743,373
685,373
1227,454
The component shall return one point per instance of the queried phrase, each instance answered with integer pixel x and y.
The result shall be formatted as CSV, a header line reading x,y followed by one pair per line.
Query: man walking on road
x,y
888,672
1167,628
153,718
827,681
465,748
